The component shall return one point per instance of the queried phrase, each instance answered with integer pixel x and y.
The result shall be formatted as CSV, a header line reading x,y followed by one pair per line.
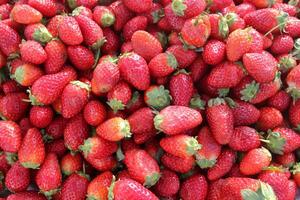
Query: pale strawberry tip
x,y
192,146
125,129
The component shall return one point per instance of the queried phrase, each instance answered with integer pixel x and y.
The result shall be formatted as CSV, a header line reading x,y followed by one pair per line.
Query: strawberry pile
x,y
149,100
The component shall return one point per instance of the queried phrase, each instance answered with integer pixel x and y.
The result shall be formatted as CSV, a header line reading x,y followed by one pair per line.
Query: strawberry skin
x,y
98,187
188,8
48,8
195,187
37,32
25,14
178,164
157,97
71,163
17,178
103,16
26,195
138,6
282,44
69,31
162,64
56,56
33,52
40,116
94,113
214,52
81,57
168,184
26,74
183,56
269,118
56,128
293,82
122,14
133,25
103,163
119,96
173,120
75,187
294,114
141,121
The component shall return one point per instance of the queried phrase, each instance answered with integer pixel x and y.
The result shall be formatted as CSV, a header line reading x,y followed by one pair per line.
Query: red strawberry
x,y
286,62
173,21
135,24
17,178
145,44
71,163
49,87
293,82
57,147
2,59
144,137
286,160
168,184
98,187
54,23
141,121
33,52
223,165
69,31
25,14
56,56
255,161
4,163
119,96
12,106
210,150
37,32
122,14
138,6
281,101
195,187
5,9
81,3
74,139
292,190
295,171
114,129
183,56
218,5
155,14
81,57
32,151
178,164
9,40
48,8
41,116
282,44
269,118
188,8
157,97
26,195
262,3
292,27
112,44
173,120
163,64
75,187
214,52
134,70
104,16
55,129
194,27
288,8
294,115
258,42
103,163
25,73
11,86
198,69
244,138
94,113
220,120
50,170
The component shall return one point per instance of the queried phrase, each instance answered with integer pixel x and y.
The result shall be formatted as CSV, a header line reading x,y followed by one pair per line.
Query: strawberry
x,y
26,195
157,97
5,10
262,3
293,83
225,75
195,187
17,178
214,52
25,14
183,56
180,145
71,163
282,44
57,147
12,106
261,66
135,24
288,8
82,10
295,171
141,121
103,16
244,138
140,76
194,27
33,52
112,44
197,69
2,59
178,164
32,151
41,116
258,42
69,31
220,120
25,73
94,113
292,190
173,120
122,14
81,57
188,8
37,32
48,8
218,5
286,62
206,157
55,129
162,64
74,187
172,21
54,23
294,113
282,140
223,165
98,187
269,118
9,40
74,139
81,3
144,137
292,27
50,170
255,161
4,164
11,86
103,164
145,44
168,184
146,172
138,6
281,101
56,56
48,88
286,160
119,96
219,26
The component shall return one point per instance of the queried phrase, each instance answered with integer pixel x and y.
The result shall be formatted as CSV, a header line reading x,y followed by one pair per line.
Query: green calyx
x,y
157,15
89,197
296,168
30,165
297,128
72,4
231,18
86,147
77,11
125,128
271,3
293,2
133,100
50,193
158,119
223,27
32,99
178,7
216,102
162,38
116,105
158,98
107,19
286,63
192,146
172,62
152,179
250,91
82,85
111,189
294,92
282,20
19,75
204,163
42,35
197,103
275,142
98,44
11,158
264,192
223,92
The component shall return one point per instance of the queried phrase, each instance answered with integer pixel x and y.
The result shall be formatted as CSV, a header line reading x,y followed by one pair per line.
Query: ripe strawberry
x,y
183,56
218,5
288,8
168,184
292,190
37,32
5,9
138,6
145,44
141,121
119,96
48,88
214,52
173,120
286,62
81,57
157,97
54,23
286,160
94,113
55,129
188,8
295,171
122,14
81,3
50,170
74,139
2,59
71,163
112,44
282,44
17,178
293,83
144,137
41,116
11,86
33,52
162,64
25,73
25,14
32,151
48,8
114,129
194,27
135,24
269,118
262,3
57,147
155,14
140,76
103,163
223,165
281,101
26,195
75,187
258,42
195,187
103,16
206,157
56,56
220,120
292,27
69,31
9,40
173,21
294,113
98,187
244,138
178,164
12,106
197,69
4,163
